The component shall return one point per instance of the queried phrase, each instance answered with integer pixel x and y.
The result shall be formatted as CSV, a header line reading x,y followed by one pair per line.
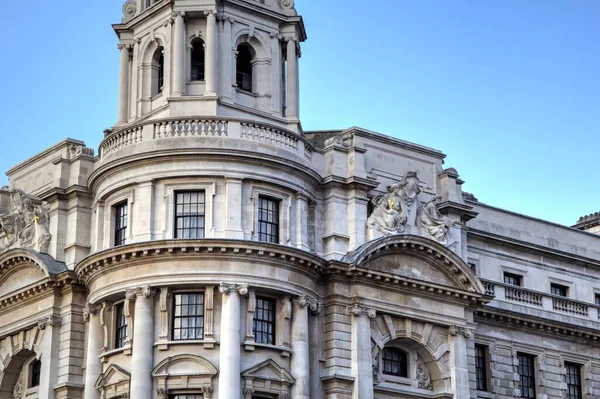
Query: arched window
x,y
158,71
394,362
244,67
35,370
197,60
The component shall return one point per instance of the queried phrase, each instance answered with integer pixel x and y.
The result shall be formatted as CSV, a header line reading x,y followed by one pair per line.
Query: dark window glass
x,y
121,326
263,325
189,214
244,68
557,289
473,267
193,396
573,378
188,316
36,371
481,367
394,362
597,299
120,223
158,71
512,279
526,375
197,60
268,220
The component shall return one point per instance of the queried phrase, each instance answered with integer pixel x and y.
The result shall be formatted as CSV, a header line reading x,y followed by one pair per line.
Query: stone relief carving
x,y
394,213
19,387
26,226
422,375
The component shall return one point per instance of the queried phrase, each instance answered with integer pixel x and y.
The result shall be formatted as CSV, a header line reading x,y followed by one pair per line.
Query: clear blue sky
x,y
509,89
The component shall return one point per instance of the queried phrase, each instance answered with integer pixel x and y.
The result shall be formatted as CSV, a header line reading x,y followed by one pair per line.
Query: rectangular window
x,y
597,299
557,289
36,372
481,367
188,316
573,378
192,396
263,325
120,325
512,279
526,375
189,214
120,223
268,220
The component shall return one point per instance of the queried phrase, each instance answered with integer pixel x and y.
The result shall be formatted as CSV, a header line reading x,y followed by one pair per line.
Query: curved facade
x,y
214,249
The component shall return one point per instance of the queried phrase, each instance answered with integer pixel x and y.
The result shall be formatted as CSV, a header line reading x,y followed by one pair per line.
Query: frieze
x,y
26,226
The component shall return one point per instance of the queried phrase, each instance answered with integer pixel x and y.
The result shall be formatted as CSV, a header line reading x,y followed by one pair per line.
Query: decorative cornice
x,y
90,309
358,310
49,321
146,291
459,330
226,288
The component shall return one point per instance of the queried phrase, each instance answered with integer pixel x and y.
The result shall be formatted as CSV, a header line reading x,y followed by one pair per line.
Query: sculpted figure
x,y
26,226
391,210
423,378
432,223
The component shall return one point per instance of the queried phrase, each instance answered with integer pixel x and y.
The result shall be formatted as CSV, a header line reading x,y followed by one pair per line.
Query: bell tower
x,y
210,58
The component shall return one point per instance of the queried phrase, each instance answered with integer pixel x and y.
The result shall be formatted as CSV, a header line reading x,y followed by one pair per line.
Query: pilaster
x,y
362,364
93,365
459,369
50,326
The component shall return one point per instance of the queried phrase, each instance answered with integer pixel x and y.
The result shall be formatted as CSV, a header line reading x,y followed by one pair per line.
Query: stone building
x,y
214,249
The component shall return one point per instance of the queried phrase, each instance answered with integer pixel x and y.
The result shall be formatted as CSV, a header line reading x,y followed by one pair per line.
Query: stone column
x,y
230,347
49,348
227,67
211,54
123,84
362,364
459,369
315,339
302,222
93,366
300,363
178,54
142,358
292,79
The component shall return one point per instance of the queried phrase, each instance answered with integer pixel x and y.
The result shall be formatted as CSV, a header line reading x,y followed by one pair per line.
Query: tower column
x,y
362,364
93,366
179,54
143,338
123,84
211,54
229,350
300,362
292,79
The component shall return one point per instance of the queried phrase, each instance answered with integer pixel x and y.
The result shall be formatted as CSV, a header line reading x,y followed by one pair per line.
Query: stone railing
x,y
190,128
571,307
121,139
520,295
489,288
280,138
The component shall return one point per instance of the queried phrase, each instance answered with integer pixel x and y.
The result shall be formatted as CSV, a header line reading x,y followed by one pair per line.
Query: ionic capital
x,y
357,310
49,321
122,46
90,309
306,301
178,14
248,393
145,291
209,12
226,288
459,330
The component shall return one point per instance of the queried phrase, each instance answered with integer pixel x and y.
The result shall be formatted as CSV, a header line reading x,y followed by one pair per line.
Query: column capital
x,y
146,291
248,393
288,39
49,321
90,309
459,330
122,46
357,310
307,301
162,393
177,14
226,288
209,12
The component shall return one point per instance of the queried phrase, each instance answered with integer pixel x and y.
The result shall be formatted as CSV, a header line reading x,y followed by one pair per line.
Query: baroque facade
x,y
214,249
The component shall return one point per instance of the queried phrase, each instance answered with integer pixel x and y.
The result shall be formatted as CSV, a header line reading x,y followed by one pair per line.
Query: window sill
x,y
196,82
126,350
156,96
250,346
164,345
249,93
484,394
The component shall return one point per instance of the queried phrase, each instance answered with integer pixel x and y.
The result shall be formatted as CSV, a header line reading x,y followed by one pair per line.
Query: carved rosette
x,y
459,330
146,291
306,301
357,310
90,309
49,321
226,288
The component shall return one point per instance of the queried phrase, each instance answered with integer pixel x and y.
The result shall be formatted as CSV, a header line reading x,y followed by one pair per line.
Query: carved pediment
x,y
269,370
112,377
21,268
24,275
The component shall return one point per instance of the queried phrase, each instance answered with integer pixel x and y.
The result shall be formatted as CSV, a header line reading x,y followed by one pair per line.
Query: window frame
x,y
157,72
403,362
118,328
597,298
272,323
532,368
31,383
512,276
174,317
578,394
251,72
278,203
197,40
176,217
564,290
117,228
484,359
209,187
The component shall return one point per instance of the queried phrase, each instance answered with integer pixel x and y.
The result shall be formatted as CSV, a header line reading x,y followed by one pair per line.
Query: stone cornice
x,y
541,326
208,248
34,290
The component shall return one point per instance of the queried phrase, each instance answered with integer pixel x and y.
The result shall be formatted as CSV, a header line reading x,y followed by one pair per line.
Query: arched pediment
x,y
184,365
417,258
21,268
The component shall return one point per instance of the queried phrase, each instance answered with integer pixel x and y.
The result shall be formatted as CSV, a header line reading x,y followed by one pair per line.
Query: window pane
x,y
189,214
120,223
268,220
394,362
188,316
573,380
481,367
264,321
526,375
120,326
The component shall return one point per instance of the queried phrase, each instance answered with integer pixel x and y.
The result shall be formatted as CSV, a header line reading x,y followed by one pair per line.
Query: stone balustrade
x,y
272,137
489,288
568,306
524,296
